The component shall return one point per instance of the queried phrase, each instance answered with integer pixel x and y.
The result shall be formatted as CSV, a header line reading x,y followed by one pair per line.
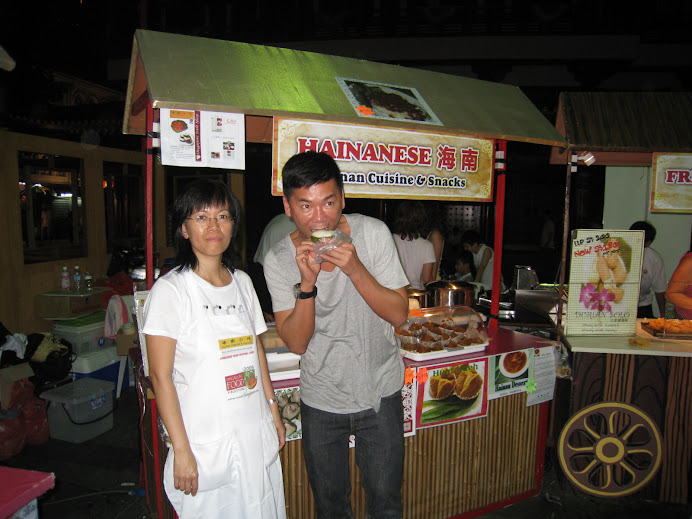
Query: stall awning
x,y
176,71
624,128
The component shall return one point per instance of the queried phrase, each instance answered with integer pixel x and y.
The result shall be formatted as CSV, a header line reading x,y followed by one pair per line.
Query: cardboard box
x,y
58,304
8,376
124,342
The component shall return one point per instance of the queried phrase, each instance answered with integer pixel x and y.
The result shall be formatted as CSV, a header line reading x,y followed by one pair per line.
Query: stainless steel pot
x,y
422,296
448,293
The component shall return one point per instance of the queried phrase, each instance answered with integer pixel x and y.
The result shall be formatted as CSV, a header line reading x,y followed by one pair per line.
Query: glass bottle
x,y
64,279
76,279
88,281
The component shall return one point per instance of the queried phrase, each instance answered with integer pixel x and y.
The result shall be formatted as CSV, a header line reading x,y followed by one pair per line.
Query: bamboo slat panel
x,y
677,449
449,469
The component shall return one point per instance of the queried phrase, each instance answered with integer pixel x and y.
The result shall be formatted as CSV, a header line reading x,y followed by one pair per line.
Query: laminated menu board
x,y
451,392
196,138
605,268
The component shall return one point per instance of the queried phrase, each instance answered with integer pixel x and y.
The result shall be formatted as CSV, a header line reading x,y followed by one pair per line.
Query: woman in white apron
x,y
209,371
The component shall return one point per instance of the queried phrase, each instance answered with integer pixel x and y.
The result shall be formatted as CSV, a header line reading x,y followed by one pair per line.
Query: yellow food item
x,y
638,341
671,325
441,387
468,384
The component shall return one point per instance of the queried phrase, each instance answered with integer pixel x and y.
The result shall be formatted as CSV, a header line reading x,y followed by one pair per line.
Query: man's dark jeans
x,y
379,455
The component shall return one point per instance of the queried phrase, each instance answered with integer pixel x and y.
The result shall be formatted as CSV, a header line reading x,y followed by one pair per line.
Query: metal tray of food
x,y
677,329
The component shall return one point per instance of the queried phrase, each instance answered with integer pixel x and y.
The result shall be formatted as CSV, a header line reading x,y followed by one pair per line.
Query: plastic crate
x,y
102,364
84,333
80,410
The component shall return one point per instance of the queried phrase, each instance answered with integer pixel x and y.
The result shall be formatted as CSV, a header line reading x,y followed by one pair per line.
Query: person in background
x,y
464,267
278,227
417,255
437,238
482,257
202,322
351,372
680,287
653,279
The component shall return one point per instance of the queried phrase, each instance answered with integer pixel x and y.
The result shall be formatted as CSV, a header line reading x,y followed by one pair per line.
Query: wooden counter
x,y
657,380
463,469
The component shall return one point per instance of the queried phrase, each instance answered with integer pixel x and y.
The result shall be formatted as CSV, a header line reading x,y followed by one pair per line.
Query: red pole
x,y
149,200
500,157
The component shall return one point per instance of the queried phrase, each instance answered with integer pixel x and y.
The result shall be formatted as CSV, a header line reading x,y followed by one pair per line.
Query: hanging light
x,y
587,158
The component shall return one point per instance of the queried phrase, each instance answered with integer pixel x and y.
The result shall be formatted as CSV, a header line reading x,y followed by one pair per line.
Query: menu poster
x,y
197,138
452,392
289,408
541,385
510,373
605,267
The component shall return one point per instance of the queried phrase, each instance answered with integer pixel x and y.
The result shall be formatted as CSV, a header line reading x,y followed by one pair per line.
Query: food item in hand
x,y
322,235
441,386
468,384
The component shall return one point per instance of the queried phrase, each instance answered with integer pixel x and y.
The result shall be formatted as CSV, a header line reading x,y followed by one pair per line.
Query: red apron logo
x,y
250,379
235,381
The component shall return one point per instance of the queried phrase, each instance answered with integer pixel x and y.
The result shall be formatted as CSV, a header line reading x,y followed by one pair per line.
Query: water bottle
x,y
88,281
76,279
64,279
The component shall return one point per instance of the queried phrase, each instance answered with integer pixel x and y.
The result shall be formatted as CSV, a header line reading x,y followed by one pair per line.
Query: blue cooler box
x,y
102,364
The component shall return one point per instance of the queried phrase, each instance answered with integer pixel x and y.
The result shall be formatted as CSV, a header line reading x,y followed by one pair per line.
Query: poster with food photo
x,y
605,269
452,392
196,138
289,408
375,100
510,373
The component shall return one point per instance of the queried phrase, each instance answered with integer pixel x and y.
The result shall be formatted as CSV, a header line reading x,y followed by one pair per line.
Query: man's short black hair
x,y
649,230
471,238
309,168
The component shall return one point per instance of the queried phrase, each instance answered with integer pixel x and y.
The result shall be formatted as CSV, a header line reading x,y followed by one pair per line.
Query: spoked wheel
x,y
610,449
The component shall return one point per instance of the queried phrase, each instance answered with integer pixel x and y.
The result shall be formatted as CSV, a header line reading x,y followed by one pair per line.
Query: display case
x,y
445,331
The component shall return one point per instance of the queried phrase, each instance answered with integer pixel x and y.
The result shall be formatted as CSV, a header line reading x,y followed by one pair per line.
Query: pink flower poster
x,y
605,268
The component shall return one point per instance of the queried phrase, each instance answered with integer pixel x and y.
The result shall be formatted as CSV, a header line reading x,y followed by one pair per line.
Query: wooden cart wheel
x,y
610,449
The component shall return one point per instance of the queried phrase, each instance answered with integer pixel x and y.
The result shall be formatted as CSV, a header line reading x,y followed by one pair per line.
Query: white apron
x,y
228,422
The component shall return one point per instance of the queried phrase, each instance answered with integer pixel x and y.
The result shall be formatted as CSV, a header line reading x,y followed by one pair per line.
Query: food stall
x,y
456,462
629,420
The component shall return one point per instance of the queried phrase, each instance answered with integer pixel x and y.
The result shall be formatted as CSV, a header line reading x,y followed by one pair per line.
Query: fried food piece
x,y
638,341
441,386
468,384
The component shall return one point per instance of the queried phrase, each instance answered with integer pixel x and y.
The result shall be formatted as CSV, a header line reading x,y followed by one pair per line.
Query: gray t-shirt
x,y
353,359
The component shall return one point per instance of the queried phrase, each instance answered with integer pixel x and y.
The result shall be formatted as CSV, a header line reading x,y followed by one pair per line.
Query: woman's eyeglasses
x,y
204,220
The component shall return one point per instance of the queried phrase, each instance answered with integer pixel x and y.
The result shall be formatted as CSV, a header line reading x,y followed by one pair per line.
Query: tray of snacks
x,y
444,331
669,328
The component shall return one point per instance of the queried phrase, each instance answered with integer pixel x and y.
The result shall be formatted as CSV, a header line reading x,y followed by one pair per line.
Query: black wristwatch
x,y
303,295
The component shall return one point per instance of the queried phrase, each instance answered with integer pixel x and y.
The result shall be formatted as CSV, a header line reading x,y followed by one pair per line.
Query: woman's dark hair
x,y
199,195
470,237
307,169
411,220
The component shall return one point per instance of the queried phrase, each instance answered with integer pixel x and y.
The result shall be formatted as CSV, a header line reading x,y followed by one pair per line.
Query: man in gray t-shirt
x,y
351,370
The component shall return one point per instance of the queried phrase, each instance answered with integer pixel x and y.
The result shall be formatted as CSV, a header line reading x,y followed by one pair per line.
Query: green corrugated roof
x,y
199,73
628,121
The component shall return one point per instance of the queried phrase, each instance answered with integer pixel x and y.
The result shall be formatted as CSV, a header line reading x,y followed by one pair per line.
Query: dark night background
x,y
545,47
